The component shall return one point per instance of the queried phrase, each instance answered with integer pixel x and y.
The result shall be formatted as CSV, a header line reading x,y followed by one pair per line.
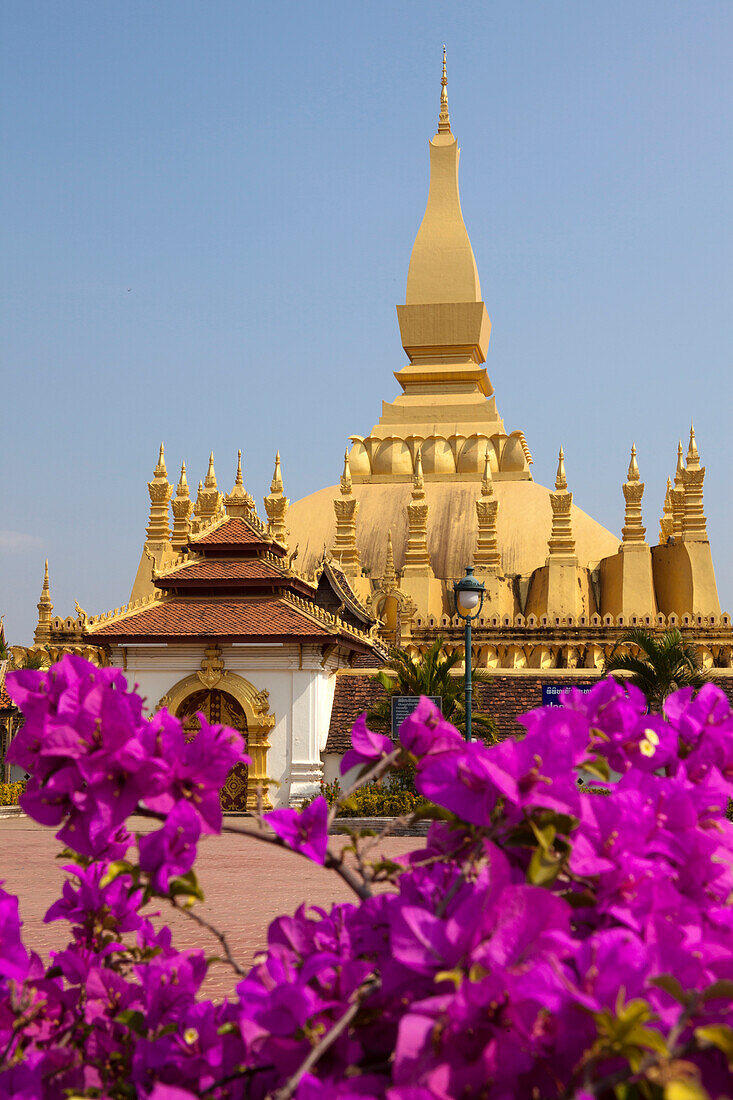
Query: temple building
x,y
221,621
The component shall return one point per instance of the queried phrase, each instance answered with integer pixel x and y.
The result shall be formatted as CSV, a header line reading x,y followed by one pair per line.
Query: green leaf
x,y
456,976
116,868
670,985
186,886
722,989
717,1035
597,766
544,867
134,1019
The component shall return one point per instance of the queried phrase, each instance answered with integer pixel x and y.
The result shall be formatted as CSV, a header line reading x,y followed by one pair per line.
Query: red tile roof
x,y
234,531
230,617
227,569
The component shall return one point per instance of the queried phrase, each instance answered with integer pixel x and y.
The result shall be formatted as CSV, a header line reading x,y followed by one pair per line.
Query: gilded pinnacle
x,y
418,481
346,476
210,479
680,466
46,590
160,470
693,457
561,481
444,117
633,474
390,576
487,484
182,490
276,485
238,478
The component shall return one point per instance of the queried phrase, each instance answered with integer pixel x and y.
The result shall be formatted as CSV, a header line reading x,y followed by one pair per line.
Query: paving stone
x,y
246,884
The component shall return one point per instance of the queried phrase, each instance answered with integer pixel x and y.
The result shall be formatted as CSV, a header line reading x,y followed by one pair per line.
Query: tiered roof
x,y
234,583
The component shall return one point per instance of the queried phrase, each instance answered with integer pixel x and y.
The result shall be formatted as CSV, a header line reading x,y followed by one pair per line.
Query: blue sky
x,y
209,210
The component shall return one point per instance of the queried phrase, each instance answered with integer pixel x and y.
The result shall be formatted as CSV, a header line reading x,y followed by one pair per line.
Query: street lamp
x,y
468,594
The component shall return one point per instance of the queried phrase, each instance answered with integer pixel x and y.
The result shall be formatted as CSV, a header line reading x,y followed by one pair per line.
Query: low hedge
x,y
374,800
10,792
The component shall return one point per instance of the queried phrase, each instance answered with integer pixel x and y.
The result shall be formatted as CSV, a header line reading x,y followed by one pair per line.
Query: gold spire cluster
x,y
239,502
694,527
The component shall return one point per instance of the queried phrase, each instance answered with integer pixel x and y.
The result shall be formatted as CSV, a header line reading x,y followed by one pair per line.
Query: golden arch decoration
x,y
256,707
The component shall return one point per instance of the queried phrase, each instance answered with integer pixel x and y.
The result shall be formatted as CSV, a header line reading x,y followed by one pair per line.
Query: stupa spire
x,y
487,552
444,117
182,508
666,523
417,559
677,495
209,500
694,527
633,490
276,505
158,529
238,502
562,542
346,506
42,632
389,577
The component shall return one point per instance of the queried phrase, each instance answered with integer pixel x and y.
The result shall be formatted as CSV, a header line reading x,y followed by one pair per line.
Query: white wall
x,y
300,682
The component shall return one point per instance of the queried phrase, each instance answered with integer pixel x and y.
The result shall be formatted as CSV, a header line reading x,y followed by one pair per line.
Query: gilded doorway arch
x,y
255,706
219,709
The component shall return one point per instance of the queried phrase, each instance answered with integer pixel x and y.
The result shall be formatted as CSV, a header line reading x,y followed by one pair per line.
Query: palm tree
x,y
660,666
430,675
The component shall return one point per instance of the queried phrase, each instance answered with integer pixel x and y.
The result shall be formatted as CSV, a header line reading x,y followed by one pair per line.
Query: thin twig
x,y
331,861
288,1089
215,932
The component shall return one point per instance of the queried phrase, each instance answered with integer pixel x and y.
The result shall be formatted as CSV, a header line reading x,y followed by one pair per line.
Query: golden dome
x,y
524,524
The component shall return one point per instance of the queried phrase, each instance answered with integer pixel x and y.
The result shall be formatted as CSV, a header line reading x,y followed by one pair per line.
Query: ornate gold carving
x,y
212,668
344,549
633,490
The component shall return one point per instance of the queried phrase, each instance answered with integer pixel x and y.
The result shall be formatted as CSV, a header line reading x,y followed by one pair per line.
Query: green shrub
x,y
374,800
11,792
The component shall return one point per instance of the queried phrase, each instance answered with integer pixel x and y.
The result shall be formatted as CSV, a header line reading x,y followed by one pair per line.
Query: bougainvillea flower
x,y
171,850
304,831
367,747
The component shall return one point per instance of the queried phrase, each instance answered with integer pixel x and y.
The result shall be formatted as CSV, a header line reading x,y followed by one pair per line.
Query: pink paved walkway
x,y
246,885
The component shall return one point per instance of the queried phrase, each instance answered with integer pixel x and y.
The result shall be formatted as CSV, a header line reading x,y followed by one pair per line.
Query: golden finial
x,y
678,479
346,476
238,478
693,457
444,117
182,489
46,590
160,470
633,474
487,485
390,576
561,481
210,479
276,485
418,481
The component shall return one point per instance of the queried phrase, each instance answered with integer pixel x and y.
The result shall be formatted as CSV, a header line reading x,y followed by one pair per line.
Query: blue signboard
x,y
403,705
552,693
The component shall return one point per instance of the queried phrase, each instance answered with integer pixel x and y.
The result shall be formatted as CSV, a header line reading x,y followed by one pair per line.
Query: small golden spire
x,y
210,479
42,632
160,470
238,478
633,474
693,457
487,483
276,485
666,523
346,476
182,488
389,577
418,481
444,117
561,481
678,478
182,508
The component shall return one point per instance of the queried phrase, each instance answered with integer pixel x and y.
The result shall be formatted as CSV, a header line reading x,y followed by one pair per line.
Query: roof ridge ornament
x,y
444,117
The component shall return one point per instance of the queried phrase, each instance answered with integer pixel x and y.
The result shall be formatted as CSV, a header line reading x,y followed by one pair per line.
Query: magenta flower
x,y
305,831
368,747
171,850
13,955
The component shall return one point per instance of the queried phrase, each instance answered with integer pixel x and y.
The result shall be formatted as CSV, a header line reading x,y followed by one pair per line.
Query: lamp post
x,y
468,594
